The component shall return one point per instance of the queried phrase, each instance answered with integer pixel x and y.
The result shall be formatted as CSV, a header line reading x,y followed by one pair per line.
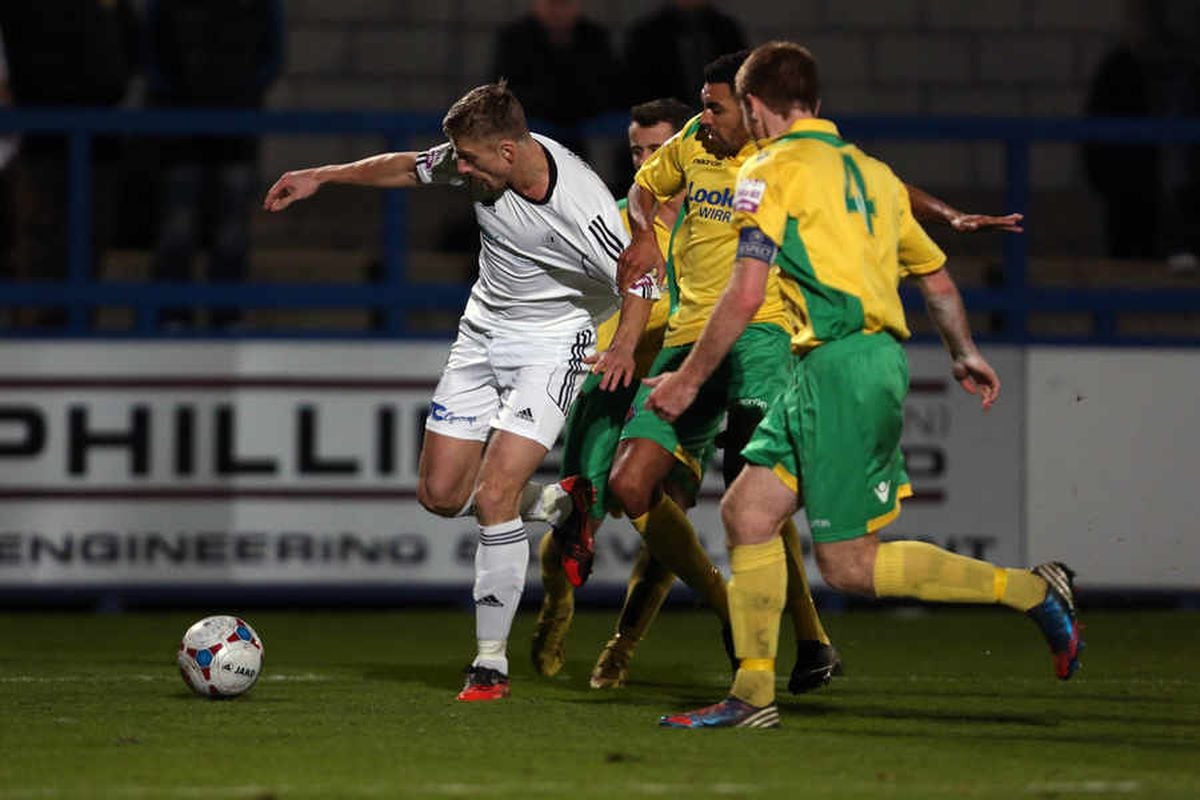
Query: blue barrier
x,y
393,295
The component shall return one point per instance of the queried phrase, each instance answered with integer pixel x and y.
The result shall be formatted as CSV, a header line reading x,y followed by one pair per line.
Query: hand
x,y
640,258
615,365
971,223
292,186
976,376
671,396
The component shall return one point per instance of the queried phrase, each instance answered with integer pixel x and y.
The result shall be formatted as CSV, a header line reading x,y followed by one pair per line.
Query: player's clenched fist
x,y
292,186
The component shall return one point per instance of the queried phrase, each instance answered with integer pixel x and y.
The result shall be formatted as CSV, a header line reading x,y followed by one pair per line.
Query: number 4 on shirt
x,y
857,201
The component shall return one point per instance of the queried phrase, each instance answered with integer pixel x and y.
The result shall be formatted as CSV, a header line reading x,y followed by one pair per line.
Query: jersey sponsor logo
x,y
749,195
714,204
439,412
882,490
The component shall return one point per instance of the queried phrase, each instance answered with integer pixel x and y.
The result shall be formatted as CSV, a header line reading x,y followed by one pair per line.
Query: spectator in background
x,y
561,65
1149,189
1127,176
214,54
666,51
1180,99
8,149
64,53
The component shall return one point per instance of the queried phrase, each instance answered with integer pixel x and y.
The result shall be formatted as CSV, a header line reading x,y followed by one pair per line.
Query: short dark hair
x,y
664,109
486,112
724,68
781,74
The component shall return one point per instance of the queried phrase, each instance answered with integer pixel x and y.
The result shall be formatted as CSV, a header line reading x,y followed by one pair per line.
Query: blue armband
x,y
753,243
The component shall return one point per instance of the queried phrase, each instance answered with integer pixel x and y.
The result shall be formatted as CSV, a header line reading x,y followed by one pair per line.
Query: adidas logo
x,y
491,601
881,490
525,414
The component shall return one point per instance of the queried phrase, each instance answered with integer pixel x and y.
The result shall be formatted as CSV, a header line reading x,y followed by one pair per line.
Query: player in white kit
x,y
550,235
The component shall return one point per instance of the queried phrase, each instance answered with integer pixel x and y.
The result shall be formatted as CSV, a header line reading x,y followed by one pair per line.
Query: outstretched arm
x,y
927,208
642,256
386,170
946,309
616,363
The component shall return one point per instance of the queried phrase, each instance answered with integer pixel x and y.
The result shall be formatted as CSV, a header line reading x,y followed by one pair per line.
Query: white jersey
x,y
548,265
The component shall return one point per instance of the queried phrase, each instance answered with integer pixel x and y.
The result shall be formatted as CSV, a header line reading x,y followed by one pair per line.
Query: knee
x,y
497,498
848,571
443,500
733,517
631,491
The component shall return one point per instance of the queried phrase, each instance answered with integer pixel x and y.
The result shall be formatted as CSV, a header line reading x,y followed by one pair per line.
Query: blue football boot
x,y
729,713
1056,617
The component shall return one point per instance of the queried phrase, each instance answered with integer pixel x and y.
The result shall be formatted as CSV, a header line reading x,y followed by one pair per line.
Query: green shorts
x,y
753,374
591,436
835,433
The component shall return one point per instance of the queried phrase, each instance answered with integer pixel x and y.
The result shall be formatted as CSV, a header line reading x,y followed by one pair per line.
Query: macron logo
x,y
882,489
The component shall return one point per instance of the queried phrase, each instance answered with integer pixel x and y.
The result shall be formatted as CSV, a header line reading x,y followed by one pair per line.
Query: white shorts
x,y
511,382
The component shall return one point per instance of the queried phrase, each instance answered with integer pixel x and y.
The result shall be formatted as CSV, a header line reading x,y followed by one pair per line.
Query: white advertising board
x,y
1112,439
150,464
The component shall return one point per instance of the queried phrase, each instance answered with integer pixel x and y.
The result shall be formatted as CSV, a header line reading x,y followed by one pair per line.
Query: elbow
x,y
747,299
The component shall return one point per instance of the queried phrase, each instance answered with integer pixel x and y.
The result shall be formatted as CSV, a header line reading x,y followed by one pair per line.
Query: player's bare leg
x,y
817,660
637,480
753,510
447,473
501,558
650,582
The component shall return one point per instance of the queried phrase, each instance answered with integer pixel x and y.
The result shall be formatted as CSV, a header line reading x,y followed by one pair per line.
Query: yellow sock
x,y
805,620
670,538
560,596
927,572
649,584
756,596
1019,588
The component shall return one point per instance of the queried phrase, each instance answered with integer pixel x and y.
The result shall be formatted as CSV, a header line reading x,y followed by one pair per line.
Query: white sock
x,y
468,509
539,503
549,503
500,564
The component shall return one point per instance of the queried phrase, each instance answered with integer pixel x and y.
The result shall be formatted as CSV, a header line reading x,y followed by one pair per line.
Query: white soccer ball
x,y
220,656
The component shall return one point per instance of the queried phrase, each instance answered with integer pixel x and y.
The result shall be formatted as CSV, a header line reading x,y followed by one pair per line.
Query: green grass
x,y
944,705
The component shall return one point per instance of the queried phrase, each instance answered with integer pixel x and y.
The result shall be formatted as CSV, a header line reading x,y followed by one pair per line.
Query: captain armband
x,y
753,243
645,287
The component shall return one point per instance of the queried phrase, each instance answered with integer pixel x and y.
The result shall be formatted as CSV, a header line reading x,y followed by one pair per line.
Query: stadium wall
x,y
254,465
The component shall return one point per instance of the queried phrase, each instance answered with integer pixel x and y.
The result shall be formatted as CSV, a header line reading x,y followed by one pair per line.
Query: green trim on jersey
x,y
623,203
834,314
672,282
692,127
827,138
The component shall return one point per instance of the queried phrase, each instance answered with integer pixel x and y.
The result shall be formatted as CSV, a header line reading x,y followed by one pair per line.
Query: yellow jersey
x,y
706,242
845,232
651,339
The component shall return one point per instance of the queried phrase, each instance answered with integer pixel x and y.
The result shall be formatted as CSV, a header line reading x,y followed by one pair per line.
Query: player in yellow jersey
x,y
703,161
590,443
836,226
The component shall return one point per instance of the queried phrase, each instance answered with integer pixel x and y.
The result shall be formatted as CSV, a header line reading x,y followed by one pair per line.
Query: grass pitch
x,y
949,704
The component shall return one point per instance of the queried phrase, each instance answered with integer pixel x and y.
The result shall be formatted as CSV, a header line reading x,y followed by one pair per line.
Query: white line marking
x,y
1085,787
166,675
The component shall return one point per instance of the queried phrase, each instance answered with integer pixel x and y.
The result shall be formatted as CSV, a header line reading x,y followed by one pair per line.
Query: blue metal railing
x,y
394,296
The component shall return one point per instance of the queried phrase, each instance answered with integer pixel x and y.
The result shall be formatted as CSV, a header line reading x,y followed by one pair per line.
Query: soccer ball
x,y
220,656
